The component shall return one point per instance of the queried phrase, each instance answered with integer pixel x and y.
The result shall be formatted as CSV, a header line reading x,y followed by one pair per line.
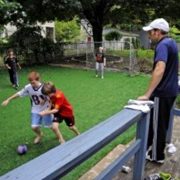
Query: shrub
x,y
136,43
114,35
67,31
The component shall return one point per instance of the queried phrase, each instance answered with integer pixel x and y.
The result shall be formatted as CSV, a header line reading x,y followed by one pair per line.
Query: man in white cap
x,y
162,89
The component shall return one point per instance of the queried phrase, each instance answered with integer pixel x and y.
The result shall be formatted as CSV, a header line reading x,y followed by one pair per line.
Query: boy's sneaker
x,y
102,77
96,75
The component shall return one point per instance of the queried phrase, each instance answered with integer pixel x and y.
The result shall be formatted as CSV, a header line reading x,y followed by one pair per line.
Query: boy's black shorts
x,y
68,120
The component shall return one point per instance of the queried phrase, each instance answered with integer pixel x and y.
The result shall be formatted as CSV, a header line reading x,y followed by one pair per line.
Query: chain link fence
x,y
120,56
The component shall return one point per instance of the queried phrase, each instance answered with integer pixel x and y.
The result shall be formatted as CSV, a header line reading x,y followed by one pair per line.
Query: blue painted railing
x,y
174,112
60,160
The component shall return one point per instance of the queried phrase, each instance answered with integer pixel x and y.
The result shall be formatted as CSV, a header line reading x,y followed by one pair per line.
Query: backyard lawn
x,y
93,99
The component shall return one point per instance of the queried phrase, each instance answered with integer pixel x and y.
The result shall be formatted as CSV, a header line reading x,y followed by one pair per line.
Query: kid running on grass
x,y
39,102
61,108
11,64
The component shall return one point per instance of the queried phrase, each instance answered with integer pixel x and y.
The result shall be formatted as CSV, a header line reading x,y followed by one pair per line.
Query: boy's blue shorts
x,y
38,120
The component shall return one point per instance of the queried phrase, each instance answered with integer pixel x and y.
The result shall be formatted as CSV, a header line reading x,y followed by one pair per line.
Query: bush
x,y
127,43
178,102
142,53
145,65
120,53
32,48
67,31
27,42
136,43
114,35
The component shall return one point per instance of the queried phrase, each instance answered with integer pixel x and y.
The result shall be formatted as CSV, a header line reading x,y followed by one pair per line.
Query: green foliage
x,y
11,11
120,53
145,60
113,35
177,38
174,30
91,106
3,41
49,10
178,102
175,33
142,53
127,43
129,26
1,28
136,42
67,31
29,44
27,41
99,13
26,37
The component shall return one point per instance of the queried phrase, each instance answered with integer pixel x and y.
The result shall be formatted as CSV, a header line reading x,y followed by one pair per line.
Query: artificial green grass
x,y
93,99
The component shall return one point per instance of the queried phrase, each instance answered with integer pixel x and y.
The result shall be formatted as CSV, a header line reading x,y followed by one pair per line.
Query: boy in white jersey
x,y
39,102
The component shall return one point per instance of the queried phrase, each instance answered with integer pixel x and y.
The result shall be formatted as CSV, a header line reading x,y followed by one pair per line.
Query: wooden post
x,y
142,134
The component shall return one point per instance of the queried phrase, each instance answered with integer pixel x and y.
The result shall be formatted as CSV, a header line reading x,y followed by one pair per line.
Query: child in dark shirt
x,y
100,62
11,64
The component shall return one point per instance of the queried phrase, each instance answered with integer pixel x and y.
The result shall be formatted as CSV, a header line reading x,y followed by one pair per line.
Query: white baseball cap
x,y
159,23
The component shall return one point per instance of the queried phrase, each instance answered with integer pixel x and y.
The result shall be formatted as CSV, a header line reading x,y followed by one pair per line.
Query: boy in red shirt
x,y
61,109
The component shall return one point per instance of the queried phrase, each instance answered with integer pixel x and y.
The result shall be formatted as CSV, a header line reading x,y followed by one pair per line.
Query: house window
x,y
49,33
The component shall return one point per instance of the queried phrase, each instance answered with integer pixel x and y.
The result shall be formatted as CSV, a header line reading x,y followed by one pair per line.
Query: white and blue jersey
x,y
36,97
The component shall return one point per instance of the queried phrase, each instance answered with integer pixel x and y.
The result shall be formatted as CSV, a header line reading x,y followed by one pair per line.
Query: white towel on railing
x,y
140,102
141,105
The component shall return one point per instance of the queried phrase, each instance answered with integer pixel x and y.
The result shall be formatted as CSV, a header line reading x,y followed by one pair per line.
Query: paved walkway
x,y
171,165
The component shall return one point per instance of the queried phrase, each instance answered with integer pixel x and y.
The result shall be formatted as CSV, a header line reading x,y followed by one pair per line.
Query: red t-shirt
x,y
60,102
100,57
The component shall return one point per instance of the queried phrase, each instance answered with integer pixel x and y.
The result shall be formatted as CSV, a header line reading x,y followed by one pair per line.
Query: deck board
x,y
171,165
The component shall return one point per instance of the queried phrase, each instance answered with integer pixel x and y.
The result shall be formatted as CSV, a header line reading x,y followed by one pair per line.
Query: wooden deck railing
x,y
60,160
174,112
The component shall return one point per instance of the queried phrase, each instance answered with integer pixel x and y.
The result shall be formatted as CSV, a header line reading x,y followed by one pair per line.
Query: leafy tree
x,y
102,12
11,11
46,10
114,35
67,30
139,12
175,33
96,12
27,40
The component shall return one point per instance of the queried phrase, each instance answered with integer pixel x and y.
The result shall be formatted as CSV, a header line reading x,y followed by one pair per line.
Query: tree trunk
x,y
97,35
